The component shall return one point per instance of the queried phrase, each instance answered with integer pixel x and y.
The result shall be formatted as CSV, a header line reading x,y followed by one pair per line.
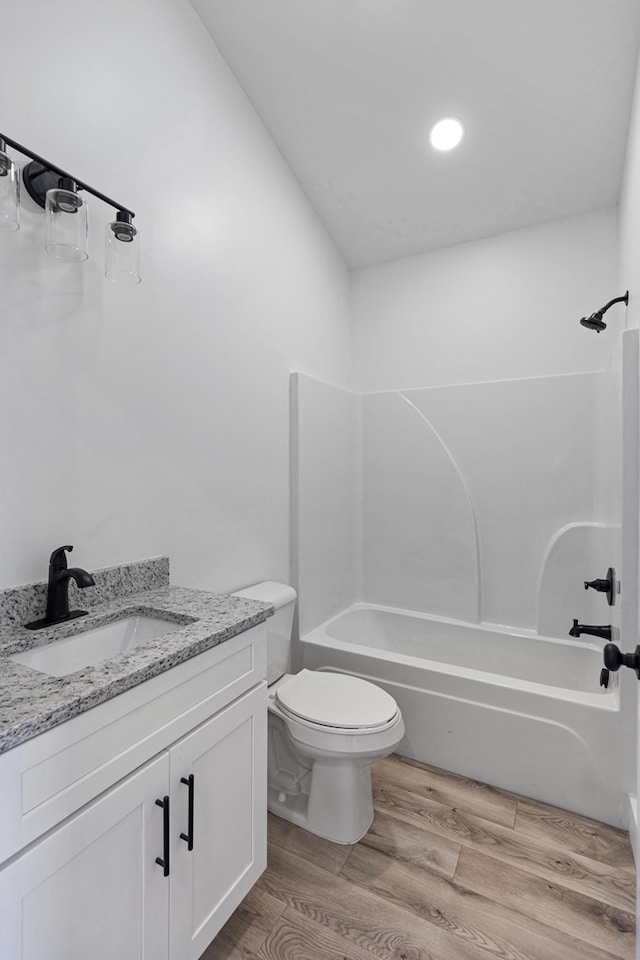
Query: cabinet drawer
x,y
46,779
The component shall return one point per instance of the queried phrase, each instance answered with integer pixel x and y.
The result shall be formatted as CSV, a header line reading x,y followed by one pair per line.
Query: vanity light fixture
x,y
58,193
595,321
67,222
122,249
9,191
446,134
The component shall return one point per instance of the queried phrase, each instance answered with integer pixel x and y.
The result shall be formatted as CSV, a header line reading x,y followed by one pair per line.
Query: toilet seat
x,y
336,703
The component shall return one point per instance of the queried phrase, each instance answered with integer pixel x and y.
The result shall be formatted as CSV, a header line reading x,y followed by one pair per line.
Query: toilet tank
x,y
279,626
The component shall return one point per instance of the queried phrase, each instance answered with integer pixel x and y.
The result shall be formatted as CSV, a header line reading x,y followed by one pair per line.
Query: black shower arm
x,y
624,299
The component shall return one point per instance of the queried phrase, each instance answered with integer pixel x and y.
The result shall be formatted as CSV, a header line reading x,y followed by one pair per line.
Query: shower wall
x,y
485,502
480,500
481,451
324,498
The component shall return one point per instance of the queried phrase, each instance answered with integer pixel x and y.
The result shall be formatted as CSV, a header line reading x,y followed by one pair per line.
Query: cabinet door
x,y
227,758
92,888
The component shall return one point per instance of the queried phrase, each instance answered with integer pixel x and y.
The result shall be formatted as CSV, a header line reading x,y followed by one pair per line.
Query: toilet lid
x,y
336,700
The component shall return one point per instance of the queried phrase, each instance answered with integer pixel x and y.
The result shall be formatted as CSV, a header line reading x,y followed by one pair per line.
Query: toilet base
x,y
339,807
325,792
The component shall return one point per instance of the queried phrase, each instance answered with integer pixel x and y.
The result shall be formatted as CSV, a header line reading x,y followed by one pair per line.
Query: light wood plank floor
x,y
451,869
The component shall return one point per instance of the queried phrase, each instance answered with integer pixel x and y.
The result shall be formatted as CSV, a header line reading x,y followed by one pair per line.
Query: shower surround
x,y
484,502
477,510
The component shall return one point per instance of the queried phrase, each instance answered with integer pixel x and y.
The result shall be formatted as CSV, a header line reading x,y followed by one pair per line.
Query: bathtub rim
x,y
607,700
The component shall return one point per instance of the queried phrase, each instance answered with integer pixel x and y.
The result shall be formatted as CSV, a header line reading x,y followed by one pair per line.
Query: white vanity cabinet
x,y
227,759
92,886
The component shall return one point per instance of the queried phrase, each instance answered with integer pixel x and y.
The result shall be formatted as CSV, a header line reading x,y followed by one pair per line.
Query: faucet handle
x,y
58,560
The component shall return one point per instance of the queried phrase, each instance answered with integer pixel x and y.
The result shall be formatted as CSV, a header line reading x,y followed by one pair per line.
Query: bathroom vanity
x,y
134,826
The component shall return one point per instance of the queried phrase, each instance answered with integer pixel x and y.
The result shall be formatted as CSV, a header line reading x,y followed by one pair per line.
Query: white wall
x,y
503,307
155,420
629,275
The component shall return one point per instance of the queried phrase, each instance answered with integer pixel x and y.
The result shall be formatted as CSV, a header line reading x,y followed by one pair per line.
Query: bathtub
x,y
509,708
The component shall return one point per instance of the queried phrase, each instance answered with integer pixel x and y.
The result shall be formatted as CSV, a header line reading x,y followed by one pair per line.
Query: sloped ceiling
x,y
349,89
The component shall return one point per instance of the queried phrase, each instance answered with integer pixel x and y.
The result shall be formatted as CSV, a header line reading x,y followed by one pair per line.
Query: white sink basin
x,y
86,649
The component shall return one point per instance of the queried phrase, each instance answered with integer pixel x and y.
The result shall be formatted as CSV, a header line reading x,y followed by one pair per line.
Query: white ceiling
x,y
349,89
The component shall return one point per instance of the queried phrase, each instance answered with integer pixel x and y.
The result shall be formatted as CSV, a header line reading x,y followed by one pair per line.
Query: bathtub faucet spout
x,y
579,628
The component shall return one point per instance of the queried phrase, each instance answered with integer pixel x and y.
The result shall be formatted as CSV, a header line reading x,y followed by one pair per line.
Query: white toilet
x,y
325,732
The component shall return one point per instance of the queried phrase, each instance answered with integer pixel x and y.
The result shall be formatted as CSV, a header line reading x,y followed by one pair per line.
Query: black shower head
x,y
595,321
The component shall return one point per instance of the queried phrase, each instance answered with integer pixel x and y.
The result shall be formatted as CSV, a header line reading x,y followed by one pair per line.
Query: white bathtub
x,y
519,711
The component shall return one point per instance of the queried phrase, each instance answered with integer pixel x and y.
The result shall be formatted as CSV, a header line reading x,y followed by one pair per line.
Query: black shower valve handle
x,y
600,585
606,585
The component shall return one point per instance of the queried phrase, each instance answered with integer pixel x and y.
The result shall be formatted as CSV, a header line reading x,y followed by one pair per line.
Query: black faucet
x,y
578,628
58,590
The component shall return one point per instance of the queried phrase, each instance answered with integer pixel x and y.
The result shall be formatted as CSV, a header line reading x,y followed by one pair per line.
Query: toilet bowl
x,y
326,730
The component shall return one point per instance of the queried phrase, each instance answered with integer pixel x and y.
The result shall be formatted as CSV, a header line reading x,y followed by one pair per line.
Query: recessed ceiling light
x,y
446,134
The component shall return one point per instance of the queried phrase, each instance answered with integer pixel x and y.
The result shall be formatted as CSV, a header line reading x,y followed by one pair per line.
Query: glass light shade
x,y
67,225
9,194
122,252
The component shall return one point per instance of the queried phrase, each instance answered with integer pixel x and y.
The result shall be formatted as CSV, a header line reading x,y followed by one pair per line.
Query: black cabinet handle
x,y
164,860
188,836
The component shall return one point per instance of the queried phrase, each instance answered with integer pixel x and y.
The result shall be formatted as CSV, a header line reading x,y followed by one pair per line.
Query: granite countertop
x,y
32,702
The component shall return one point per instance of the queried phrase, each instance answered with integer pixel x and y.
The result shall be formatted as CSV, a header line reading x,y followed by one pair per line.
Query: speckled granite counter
x,y
32,702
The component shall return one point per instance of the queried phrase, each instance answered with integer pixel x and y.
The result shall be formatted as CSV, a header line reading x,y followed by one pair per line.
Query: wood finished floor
x,y
451,869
